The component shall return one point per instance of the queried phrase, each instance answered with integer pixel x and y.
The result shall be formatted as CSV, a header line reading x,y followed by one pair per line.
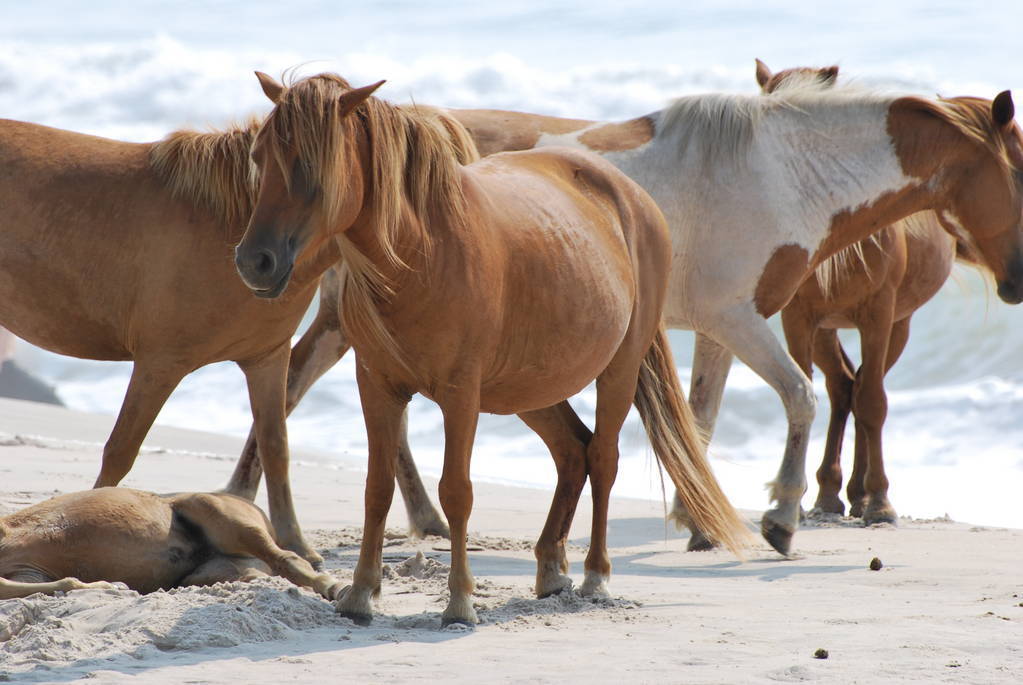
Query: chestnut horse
x,y
874,286
818,172
124,251
504,286
84,540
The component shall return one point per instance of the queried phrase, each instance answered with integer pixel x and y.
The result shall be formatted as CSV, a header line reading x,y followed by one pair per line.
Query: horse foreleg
x,y
266,380
461,414
147,392
566,437
423,517
830,357
382,411
870,407
14,589
316,352
711,364
748,336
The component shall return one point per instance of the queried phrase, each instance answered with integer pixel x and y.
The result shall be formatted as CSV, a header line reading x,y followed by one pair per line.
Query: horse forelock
x,y
212,170
413,166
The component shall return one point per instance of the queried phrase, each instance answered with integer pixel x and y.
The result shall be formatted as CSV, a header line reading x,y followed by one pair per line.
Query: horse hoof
x,y
829,504
856,509
446,621
594,586
882,515
431,526
357,617
699,543
466,617
553,586
779,537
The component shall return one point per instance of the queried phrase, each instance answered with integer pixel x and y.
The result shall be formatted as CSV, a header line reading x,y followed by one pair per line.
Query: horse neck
x,y
927,150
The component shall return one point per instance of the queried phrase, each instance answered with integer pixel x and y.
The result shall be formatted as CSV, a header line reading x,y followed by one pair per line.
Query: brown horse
x,y
504,286
874,286
737,263
148,542
124,251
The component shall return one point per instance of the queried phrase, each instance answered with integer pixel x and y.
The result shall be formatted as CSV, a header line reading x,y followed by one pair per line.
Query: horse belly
x,y
558,353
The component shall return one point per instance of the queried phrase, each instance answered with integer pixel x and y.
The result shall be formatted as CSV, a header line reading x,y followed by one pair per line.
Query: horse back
x,y
581,249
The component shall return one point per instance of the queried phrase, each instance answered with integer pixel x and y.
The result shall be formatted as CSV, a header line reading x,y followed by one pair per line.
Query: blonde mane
x,y
971,116
414,157
211,170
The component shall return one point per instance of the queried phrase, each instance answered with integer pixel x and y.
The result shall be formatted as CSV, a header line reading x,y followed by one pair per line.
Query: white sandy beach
x,y
947,606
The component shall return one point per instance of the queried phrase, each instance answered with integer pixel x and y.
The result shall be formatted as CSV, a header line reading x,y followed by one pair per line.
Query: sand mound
x,y
92,626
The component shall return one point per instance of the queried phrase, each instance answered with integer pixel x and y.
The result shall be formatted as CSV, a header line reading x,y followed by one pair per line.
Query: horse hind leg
x,y
839,376
567,438
15,588
237,528
711,364
616,391
225,569
871,407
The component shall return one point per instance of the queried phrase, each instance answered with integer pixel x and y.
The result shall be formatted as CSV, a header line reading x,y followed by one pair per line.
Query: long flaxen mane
x,y
414,158
212,170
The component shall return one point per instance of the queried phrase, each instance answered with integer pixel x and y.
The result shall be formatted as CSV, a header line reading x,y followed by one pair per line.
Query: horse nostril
x,y
265,262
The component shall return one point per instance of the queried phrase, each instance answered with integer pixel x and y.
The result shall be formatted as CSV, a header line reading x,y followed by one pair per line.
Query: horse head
x,y
311,180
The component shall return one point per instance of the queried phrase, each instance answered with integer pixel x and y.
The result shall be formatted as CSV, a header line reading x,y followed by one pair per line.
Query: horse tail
x,y
678,446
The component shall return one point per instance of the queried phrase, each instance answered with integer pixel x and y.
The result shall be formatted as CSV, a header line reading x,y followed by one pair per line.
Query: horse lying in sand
x,y
503,286
148,542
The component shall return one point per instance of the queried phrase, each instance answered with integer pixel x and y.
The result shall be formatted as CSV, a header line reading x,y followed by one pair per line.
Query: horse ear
x,y
1002,109
828,75
763,74
357,96
272,88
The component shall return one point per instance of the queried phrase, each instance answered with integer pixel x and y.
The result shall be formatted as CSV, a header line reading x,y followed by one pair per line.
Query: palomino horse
x,y
759,191
124,251
504,286
874,286
148,542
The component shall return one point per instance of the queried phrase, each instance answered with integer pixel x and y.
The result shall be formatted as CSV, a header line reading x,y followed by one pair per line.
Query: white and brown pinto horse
x,y
504,286
874,286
